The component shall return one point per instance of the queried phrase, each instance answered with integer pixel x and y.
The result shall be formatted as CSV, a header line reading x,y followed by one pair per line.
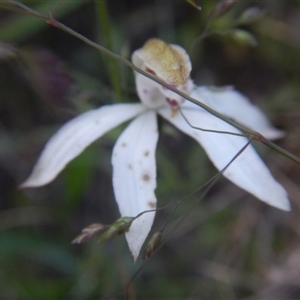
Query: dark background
x,y
230,246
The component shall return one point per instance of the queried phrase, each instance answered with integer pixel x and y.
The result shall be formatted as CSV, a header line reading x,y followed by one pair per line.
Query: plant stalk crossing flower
x,y
133,158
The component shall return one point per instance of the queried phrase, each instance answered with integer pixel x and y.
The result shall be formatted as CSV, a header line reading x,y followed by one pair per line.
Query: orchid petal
x,y
134,176
75,136
234,105
149,92
247,171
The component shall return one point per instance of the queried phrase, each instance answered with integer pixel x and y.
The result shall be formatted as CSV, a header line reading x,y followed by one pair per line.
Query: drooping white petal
x,y
247,171
75,136
134,176
234,105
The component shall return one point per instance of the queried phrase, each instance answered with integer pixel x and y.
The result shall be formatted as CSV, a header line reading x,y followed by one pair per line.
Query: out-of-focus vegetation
x,y
230,246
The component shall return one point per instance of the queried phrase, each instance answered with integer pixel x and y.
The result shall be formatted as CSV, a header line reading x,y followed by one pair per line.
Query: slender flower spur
x,y
133,158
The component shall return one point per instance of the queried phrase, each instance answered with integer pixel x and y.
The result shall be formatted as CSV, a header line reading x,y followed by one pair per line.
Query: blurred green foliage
x,y
226,245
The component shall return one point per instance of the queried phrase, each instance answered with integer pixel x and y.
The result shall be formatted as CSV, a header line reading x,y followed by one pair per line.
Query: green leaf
x,y
21,27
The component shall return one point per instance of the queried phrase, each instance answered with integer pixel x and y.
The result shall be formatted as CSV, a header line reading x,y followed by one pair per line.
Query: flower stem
x,y
11,4
106,31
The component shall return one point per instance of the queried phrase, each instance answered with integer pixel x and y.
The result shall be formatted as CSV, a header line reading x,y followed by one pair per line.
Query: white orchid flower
x,y
133,158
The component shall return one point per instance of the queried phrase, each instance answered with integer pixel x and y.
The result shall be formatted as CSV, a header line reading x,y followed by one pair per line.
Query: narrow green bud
x,y
222,8
194,3
152,245
244,37
119,227
250,15
89,232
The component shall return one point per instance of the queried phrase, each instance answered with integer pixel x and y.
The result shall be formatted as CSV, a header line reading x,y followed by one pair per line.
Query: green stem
x,y
281,151
106,31
253,135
